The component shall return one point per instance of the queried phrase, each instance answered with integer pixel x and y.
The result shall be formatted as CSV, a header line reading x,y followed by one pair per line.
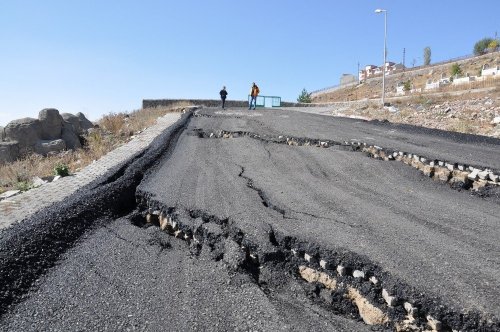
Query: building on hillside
x,y
371,70
347,79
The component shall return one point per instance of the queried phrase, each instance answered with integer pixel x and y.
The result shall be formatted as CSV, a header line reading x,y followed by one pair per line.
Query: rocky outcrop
x,y
70,136
50,133
9,151
51,122
25,131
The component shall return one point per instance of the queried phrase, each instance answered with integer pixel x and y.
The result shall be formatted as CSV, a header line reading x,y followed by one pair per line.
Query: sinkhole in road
x,y
341,281
482,181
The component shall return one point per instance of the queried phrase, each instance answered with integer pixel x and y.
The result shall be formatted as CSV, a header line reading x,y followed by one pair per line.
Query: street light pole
x,y
378,11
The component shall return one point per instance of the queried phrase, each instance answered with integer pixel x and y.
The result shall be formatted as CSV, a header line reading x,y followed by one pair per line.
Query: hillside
x,y
418,77
468,108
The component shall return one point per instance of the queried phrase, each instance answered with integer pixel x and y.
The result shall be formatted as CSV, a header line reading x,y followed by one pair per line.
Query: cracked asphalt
x,y
439,241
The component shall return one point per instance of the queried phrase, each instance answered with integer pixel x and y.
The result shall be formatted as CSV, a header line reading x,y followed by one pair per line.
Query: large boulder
x,y
2,134
74,120
43,147
51,123
9,152
84,122
69,136
26,131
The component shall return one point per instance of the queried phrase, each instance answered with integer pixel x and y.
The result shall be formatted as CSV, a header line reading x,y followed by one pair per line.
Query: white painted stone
x,y
340,270
324,264
433,323
390,300
294,252
432,164
424,160
441,163
57,177
451,167
373,280
307,257
484,175
473,175
401,153
461,167
358,274
417,158
409,308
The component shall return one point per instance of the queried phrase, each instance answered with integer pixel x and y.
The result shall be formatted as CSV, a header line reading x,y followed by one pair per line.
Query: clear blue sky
x,y
98,56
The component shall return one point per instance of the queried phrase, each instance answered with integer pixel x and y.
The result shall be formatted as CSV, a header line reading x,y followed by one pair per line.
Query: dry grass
x,y
114,130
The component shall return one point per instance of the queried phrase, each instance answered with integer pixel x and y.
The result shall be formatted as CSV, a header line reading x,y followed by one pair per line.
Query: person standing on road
x,y
223,95
254,92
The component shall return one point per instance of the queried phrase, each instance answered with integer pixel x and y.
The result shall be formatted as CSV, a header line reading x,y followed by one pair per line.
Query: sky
x,y
103,56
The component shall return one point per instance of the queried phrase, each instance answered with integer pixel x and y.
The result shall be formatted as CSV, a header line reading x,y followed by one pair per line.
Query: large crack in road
x,y
203,208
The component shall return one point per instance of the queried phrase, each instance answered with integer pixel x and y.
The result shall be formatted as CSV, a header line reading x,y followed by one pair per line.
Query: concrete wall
x,y
151,103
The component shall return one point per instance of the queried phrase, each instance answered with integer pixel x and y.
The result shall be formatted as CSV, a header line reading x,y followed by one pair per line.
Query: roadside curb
x,y
20,207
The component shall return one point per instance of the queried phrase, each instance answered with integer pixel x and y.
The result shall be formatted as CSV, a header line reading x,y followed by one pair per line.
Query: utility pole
x,y
404,54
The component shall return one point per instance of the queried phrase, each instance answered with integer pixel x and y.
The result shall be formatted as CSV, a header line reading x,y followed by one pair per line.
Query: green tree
x,y
493,45
407,85
427,56
456,71
481,46
304,97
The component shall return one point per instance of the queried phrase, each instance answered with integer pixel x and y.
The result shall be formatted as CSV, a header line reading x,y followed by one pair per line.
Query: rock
x,y
9,152
2,134
70,136
479,184
433,323
45,147
442,174
233,255
474,174
496,120
494,177
484,175
325,265
84,122
73,120
51,123
26,131
9,193
358,274
390,300
428,170
37,182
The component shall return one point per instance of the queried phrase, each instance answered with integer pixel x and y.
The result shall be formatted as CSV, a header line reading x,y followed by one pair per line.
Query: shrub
x,y
61,170
407,85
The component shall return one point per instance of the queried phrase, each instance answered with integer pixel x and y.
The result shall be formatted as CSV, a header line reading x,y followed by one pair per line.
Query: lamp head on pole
x,y
378,11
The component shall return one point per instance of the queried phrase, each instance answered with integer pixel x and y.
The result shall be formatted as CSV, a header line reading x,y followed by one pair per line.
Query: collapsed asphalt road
x,y
265,220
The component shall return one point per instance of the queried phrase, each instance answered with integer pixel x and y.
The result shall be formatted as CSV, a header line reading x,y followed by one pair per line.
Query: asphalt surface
x,y
424,241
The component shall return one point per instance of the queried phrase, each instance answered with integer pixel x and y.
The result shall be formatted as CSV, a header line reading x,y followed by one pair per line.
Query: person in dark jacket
x,y
223,95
